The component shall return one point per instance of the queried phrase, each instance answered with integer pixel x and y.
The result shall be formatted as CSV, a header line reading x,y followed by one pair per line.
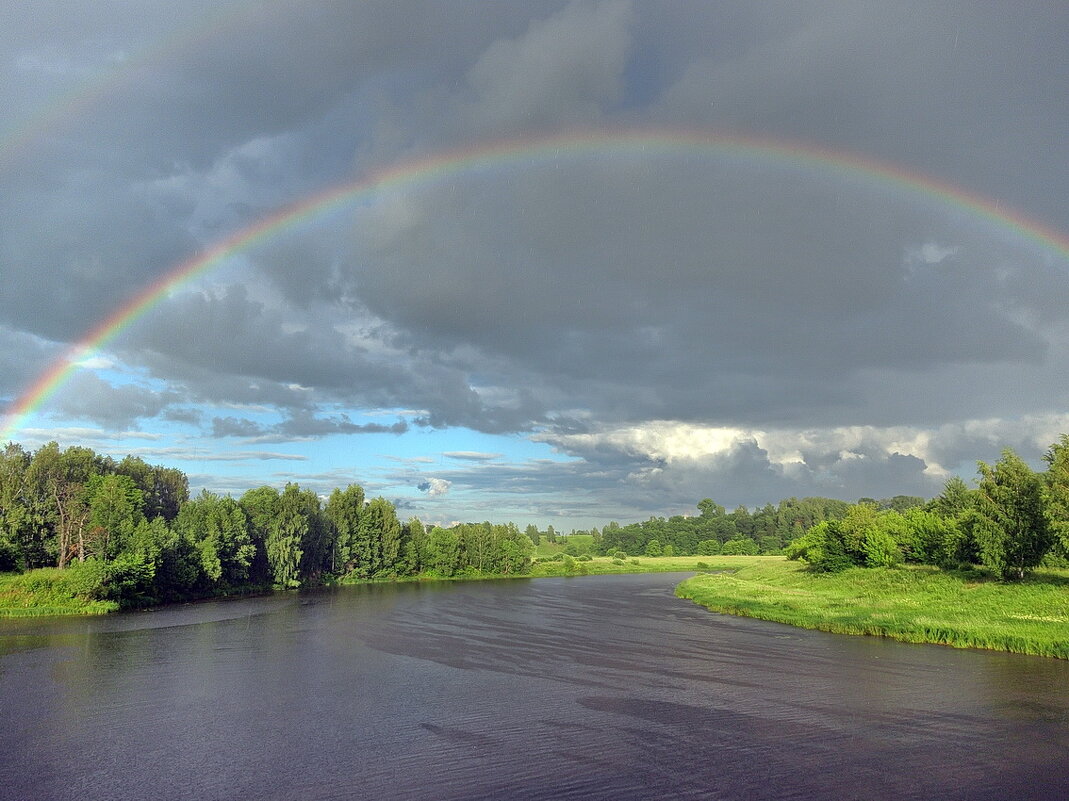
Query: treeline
x,y
766,530
129,532
1015,520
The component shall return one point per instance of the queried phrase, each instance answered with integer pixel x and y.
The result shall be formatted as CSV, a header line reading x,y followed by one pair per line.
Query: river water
x,y
602,687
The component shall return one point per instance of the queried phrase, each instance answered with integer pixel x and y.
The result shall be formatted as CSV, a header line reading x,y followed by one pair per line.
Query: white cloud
x,y
434,487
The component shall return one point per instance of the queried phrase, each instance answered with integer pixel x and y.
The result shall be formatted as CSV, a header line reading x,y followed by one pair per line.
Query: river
x,y
601,687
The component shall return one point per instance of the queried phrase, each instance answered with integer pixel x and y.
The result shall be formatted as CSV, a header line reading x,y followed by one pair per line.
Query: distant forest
x,y
129,532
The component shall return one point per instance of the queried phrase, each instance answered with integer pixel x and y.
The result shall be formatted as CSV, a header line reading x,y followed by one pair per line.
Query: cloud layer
x,y
610,333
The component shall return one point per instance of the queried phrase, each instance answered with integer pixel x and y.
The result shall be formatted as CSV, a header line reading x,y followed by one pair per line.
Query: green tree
x,y
653,548
284,550
740,546
709,508
414,548
443,551
219,532
343,510
1012,529
379,540
114,511
261,507
1057,486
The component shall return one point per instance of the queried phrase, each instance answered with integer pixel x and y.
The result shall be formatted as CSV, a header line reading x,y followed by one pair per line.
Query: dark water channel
x,y
600,687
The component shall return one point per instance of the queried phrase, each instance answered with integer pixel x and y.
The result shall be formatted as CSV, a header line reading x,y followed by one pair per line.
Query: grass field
x,y
914,604
604,565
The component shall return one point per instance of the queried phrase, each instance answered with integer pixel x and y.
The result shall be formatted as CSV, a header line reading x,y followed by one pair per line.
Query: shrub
x,y
743,546
585,557
709,547
822,548
621,555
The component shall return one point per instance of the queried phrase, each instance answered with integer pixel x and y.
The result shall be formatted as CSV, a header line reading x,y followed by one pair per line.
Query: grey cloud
x,y
235,427
304,425
472,456
301,425
564,70
87,396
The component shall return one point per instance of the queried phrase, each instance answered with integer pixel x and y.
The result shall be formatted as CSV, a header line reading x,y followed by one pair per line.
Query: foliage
x,y
1012,528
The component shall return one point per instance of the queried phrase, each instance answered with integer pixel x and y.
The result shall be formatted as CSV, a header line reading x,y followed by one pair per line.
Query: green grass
x,y
47,591
912,604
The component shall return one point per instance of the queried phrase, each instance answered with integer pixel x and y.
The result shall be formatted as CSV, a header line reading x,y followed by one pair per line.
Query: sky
x,y
542,261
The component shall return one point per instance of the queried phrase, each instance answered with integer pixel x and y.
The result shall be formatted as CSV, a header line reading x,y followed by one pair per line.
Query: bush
x,y
702,566
709,547
744,546
585,557
621,555
619,561
668,550
822,548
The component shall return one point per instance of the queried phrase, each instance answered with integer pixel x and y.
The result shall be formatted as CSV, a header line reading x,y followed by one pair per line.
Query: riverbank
x,y
911,604
51,591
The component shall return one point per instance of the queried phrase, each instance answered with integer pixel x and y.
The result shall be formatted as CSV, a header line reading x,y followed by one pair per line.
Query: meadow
x,y
921,604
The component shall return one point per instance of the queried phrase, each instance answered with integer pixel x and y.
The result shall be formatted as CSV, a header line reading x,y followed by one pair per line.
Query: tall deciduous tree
x,y
1058,490
114,511
344,509
1011,529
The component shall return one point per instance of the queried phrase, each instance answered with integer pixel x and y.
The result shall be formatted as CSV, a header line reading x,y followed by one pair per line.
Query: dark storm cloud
x,y
677,285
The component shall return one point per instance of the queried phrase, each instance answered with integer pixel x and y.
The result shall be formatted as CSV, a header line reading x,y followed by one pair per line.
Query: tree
x,y
532,532
709,508
823,547
343,510
1057,507
114,511
261,507
379,540
1012,529
284,540
414,548
443,551
653,548
219,531
740,546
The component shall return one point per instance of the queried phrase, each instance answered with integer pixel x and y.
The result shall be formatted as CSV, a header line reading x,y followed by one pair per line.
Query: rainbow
x,y
523,153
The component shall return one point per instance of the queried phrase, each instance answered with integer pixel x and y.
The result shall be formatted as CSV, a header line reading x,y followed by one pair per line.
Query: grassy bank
x,y
604,565
919,604
47,591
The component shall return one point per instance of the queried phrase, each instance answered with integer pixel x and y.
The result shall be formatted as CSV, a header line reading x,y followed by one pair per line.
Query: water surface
x,y
602,687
